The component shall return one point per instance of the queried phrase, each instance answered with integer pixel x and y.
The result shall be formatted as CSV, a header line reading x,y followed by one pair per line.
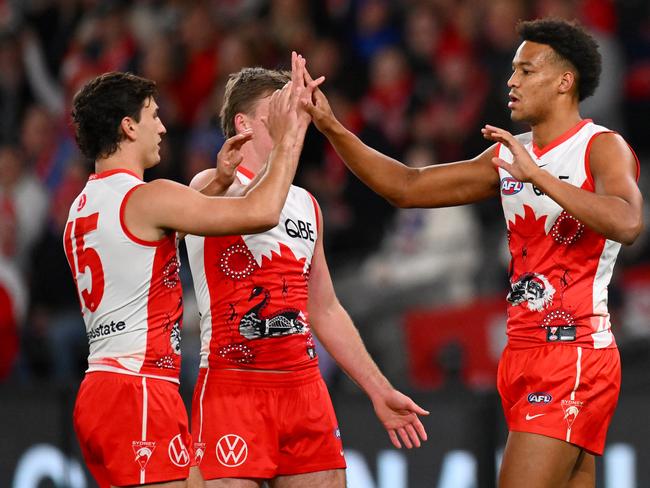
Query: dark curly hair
x,y
571,43
99,107
244,89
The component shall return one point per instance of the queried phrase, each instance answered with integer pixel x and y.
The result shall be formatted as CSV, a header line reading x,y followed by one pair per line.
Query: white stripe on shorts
x,y
205,382
145,402
575,387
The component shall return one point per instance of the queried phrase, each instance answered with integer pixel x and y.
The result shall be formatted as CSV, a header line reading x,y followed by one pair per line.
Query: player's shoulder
x,y
157,190
302,193
600,136
202,178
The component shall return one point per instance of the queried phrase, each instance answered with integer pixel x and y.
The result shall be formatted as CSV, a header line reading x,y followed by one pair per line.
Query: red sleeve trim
x,y
111,172
315,211
638,163
590,178
128,233
497,151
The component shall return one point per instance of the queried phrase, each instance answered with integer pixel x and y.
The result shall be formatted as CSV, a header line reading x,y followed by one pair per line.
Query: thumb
x,y
409,404
308,107
501,163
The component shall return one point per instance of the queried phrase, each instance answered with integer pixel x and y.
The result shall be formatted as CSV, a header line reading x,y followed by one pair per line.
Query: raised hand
x,y
523,168
317,105
303,85
286,108
230,157
399,415
281,116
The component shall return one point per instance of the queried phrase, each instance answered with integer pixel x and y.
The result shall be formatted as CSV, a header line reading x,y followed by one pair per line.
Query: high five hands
x,y
287,106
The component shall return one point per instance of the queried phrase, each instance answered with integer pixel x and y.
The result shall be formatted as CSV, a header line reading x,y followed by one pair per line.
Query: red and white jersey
x,y
560,269
129,289
252,291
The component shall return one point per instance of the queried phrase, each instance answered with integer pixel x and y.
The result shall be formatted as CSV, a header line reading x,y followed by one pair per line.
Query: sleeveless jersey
x,y
252,291
559,269
129,289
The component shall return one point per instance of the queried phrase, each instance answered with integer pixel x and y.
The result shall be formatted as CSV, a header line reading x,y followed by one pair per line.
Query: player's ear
x,y
567,82
241,123
127,125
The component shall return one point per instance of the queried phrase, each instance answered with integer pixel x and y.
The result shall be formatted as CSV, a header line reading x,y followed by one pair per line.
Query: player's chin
x,y
517,116
155,159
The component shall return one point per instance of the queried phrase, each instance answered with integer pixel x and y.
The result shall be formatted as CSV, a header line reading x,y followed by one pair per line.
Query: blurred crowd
x,y
415,79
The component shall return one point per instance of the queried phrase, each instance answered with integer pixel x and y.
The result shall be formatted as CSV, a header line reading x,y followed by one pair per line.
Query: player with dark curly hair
x,y
121,244
570,198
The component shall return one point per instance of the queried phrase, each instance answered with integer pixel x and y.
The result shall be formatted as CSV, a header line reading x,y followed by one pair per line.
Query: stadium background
x,y
415,79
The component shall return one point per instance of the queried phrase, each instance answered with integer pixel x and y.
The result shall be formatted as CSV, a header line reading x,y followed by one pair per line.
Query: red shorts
x,y
249,424
560,391
132,430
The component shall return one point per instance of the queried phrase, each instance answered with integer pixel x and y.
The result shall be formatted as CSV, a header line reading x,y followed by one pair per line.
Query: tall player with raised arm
x,y
261,410
120,240
570,198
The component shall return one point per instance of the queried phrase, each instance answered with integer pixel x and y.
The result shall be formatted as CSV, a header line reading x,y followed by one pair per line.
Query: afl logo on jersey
x,y
510,186
538,398
82,202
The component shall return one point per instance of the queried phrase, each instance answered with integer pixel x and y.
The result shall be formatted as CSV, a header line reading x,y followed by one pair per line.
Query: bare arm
x,y
614,210
335,330
163,205
439,185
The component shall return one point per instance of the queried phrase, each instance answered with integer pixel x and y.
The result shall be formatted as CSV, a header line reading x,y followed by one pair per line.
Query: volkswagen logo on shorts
x,y
178,452
510,186
232,450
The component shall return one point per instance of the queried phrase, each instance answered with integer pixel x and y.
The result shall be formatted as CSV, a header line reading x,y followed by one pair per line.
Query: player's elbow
x,y
402,195
630,233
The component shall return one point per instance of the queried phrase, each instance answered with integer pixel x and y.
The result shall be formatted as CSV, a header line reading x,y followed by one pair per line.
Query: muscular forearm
x,y
341,339
214,188
610,216
385,176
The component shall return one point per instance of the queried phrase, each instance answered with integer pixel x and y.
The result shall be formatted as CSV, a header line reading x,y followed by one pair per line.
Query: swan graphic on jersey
x,y
254,324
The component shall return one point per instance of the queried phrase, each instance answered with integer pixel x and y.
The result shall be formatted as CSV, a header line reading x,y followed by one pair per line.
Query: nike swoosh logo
x,y
542,165
531,417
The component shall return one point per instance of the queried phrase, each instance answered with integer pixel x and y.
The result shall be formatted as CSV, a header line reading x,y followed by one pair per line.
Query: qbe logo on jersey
x,y
510,186
232,450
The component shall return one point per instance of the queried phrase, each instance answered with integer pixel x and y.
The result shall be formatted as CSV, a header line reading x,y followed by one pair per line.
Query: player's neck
x,y
554,126
251,160
120,160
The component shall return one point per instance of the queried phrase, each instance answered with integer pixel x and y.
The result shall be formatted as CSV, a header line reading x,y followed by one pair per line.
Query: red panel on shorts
x,y
560,391
118,446
261,425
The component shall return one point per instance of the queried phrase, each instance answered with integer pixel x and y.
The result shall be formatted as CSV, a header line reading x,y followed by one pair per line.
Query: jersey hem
x,y
584,345
108,369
